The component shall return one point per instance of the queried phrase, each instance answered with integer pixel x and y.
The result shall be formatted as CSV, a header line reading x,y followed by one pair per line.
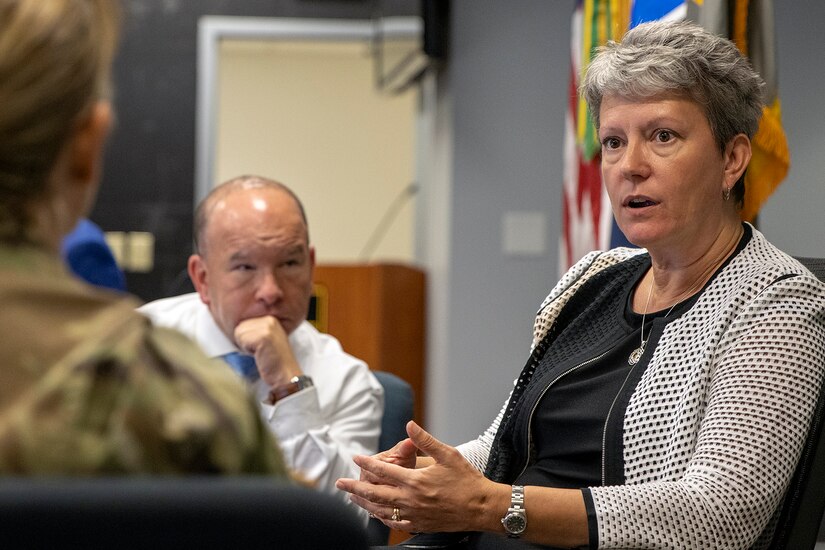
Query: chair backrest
x,y
398,410
816,265
173,512
802,511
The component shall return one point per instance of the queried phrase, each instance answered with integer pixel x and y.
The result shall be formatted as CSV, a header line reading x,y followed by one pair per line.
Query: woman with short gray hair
x,y
669,388
655,60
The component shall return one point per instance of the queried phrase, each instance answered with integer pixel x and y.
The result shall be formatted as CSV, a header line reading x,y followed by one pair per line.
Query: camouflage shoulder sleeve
x,y
240,441
135,398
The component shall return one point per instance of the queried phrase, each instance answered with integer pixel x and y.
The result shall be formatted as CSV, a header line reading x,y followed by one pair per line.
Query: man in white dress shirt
x,y
252,269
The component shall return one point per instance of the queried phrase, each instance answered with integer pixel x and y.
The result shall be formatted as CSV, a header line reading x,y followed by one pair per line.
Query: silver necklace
x,y
636,354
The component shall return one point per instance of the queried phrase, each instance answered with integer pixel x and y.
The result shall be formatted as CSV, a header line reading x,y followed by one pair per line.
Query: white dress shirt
x,y
320,428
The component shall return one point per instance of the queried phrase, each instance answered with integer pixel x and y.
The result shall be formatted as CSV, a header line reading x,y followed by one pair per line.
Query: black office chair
x,y
816,265
173,513
801,518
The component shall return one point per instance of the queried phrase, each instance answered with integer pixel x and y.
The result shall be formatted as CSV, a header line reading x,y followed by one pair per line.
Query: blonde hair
x,y
55,62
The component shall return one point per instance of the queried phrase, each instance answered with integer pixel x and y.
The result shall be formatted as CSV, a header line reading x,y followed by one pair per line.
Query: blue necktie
x,y
244,365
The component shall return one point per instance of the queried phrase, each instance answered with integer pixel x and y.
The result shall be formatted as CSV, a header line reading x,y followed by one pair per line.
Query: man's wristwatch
x,y
515,521
296,384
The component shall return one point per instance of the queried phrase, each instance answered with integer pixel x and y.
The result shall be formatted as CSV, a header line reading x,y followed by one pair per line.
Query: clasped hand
x,y
439,491
266,339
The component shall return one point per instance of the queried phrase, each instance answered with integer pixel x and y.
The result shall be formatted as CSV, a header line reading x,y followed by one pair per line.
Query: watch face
x,y
515,523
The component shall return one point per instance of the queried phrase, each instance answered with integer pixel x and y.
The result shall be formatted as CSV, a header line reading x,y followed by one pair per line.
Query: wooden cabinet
x,y
377,312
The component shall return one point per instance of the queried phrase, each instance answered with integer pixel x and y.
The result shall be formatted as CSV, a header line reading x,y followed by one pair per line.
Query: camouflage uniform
x,y
88,386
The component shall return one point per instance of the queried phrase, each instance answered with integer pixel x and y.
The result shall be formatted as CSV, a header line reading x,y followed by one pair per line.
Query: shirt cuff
x,y
295,414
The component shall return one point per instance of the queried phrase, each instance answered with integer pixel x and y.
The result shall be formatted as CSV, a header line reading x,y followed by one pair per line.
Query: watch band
x,y
296,384
517,497
515,521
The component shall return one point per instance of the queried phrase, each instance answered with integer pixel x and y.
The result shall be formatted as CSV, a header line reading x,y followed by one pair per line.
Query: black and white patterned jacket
x,y
700,449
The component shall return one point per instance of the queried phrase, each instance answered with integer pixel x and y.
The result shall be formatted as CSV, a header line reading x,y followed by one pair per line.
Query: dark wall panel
x,y
148,177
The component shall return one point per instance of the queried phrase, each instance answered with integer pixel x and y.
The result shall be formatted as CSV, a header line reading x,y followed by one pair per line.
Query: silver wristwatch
x,y
515,521
303,381
296,384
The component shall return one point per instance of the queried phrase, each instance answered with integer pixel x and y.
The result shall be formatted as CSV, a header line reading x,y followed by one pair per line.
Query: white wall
x,y
506,85
794,216
307,113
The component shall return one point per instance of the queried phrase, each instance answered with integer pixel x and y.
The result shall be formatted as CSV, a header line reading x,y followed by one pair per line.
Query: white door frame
x,y
213,29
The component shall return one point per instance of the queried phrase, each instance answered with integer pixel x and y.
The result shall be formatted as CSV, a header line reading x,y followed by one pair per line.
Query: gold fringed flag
x,y
749,24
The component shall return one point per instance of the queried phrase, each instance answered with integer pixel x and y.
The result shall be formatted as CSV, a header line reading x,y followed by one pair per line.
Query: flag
x,y
749,24
586,216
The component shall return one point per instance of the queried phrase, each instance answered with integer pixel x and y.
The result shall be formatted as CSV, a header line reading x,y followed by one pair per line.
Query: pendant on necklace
x,y
636,354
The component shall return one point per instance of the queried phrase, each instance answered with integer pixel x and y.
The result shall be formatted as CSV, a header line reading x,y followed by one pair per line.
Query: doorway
x,y
296,101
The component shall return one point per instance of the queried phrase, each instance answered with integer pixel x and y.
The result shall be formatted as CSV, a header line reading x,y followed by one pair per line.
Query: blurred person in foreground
x,y
669,389
253,269
89,386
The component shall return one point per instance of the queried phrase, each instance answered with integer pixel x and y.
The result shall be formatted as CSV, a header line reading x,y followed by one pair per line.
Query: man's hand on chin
x,y
266,339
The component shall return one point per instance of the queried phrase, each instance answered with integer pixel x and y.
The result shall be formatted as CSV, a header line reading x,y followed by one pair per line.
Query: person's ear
x,y
199,276
737,157
87,143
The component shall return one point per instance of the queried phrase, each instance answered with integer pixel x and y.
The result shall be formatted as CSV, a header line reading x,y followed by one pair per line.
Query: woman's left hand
x,y
448,495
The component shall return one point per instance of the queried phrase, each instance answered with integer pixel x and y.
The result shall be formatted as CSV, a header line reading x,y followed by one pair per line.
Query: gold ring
x,y
396,514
